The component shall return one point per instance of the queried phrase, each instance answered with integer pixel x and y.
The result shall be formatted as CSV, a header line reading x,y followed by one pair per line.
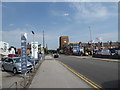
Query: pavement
x,y
52,74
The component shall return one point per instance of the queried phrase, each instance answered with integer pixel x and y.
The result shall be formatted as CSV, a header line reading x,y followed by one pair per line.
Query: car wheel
x,y
2,68
14,71
31,70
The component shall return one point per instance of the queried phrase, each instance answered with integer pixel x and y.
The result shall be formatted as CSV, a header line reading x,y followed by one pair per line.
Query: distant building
x,y
12,51
4,46
77,48
101,45
63,41
74,48
28,48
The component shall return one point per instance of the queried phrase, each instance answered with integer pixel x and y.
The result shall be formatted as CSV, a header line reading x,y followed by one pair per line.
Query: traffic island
x,y
107,56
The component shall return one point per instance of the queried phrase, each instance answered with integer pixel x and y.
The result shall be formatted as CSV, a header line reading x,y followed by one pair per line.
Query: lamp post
x,y
33,41
43,46
90,34
91,46
33,48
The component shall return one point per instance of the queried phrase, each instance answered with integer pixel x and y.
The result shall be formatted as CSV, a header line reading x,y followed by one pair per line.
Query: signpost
x,y
34,49
23,55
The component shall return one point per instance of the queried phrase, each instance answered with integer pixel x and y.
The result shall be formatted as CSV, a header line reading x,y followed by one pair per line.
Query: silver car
x,y
14,64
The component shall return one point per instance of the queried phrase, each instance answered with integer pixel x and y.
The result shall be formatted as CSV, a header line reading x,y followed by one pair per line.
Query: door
x,y
10,64
6,64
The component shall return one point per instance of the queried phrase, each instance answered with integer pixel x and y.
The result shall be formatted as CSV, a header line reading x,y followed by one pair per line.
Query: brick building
x,y
63,41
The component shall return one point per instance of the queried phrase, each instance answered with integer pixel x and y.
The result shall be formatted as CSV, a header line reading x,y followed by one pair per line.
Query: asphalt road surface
x,y
102,73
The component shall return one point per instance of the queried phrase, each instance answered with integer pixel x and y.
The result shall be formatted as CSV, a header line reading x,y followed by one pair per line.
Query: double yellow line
x,y
94,85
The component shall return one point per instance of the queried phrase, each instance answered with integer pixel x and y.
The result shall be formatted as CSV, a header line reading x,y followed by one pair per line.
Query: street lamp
x,y
33,48
90,35
43,45
91,41
33,36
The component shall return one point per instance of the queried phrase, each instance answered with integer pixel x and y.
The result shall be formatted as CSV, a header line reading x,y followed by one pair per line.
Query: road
x,y
102,73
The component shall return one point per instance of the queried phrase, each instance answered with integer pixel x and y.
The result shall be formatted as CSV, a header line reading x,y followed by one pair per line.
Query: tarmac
x,y
52,74
102,59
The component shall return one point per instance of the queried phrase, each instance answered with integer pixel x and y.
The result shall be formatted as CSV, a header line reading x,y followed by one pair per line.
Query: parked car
x,y
12,55
3,58
55,55
118,52
114,51
103,52
32,60
14,64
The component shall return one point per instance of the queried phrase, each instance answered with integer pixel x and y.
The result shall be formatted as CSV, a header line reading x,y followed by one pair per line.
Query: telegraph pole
x,y
90,34
43,44
91,44
43,40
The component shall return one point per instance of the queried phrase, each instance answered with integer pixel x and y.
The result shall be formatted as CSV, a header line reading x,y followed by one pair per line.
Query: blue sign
x,y
23,54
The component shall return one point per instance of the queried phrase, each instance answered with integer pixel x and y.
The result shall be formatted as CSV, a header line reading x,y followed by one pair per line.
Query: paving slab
x,y
52,74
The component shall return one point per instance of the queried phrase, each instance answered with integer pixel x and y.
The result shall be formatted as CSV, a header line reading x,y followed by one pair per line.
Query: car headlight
x,y
19,67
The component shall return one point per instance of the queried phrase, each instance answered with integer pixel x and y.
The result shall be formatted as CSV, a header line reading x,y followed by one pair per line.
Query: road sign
x,y
34,49
23,53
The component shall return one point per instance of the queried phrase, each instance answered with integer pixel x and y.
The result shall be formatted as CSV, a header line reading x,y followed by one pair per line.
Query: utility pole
x,y
43,45
91,45
43,40
33,48
90,34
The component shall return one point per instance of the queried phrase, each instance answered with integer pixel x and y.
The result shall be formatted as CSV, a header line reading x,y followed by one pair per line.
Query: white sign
x,y
34,49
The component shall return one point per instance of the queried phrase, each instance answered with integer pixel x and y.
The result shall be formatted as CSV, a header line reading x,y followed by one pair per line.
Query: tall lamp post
x,y
90,34
91,46
33,48
43,45
33,41
33,35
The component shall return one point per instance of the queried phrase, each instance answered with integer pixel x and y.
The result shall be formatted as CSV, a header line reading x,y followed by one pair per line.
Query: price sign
x,y
23,54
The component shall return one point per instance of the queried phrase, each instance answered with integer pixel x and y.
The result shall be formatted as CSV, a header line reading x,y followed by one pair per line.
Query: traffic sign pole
x,y
23,56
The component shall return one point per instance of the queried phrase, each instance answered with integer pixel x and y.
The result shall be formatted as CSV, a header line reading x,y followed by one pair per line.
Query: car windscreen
x,y
30,57
17,60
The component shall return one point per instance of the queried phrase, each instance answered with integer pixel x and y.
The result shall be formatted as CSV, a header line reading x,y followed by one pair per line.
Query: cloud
x,y
13,37
89,12
58,13
108,36
66,14
11,25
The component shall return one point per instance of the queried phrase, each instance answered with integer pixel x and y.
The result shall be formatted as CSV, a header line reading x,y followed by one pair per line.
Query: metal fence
x,y
11,85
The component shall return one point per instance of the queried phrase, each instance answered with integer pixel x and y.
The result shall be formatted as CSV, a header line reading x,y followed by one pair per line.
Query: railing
x,y
28,80
10,86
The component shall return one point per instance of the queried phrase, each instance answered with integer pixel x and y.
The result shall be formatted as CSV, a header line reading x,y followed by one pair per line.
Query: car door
x,y
6,64
10,64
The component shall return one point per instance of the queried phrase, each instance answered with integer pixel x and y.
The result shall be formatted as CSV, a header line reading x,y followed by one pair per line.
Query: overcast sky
x,y
58,19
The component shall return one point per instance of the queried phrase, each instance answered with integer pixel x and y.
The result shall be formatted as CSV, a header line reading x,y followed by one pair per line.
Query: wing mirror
x,y
11,62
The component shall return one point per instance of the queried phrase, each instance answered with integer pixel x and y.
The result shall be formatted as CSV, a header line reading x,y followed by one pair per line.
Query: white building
x,y
4,46
12,51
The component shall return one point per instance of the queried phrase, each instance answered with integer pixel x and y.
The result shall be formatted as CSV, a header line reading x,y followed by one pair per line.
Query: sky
x,y
57,19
